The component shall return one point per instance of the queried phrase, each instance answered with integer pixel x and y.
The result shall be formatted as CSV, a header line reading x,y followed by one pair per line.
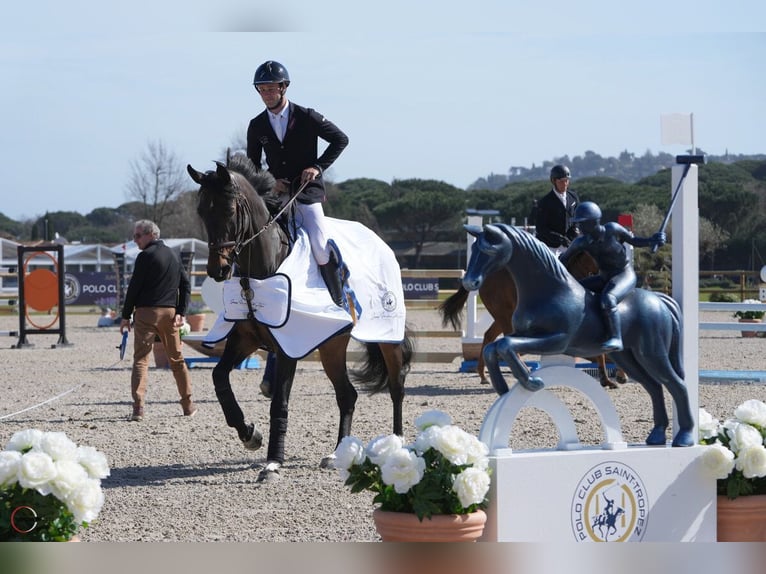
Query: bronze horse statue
x,y
233,203
555,314
498,293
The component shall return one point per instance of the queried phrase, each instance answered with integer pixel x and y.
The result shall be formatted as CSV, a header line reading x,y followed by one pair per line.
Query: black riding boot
x,y
614,341
330,274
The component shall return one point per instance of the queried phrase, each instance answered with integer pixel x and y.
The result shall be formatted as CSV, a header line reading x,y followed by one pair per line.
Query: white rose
x,y
9,467
708,426
753,412
349,452
742,436
718,459
36,470
69,476
431,418
379,449
93,461
58,446
454,443
751,461
403,469
86,500
471,486
25,440
426,438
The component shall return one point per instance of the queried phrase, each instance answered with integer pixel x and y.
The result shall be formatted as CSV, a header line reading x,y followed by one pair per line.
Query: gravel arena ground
x,y
190,480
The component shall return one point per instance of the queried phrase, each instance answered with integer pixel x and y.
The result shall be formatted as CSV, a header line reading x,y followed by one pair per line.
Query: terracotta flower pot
x,y
196,321
405,527
749,333
742,519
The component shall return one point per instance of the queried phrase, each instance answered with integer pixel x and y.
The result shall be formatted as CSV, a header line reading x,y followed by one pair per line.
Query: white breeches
x,y
310,216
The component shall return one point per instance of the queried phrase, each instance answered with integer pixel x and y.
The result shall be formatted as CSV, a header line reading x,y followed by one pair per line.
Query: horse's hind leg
x,y
627,360
333,357
603,373
394,358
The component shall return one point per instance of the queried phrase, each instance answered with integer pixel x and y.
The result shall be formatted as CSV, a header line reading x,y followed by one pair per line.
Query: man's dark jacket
x,y
158,280
553,221
298,149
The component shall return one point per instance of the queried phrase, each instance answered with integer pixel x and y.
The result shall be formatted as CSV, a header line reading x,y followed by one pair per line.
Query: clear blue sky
x,y
421,90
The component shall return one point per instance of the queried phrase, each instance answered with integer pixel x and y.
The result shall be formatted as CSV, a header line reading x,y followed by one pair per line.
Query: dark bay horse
x,y
241,232
498,293
555,314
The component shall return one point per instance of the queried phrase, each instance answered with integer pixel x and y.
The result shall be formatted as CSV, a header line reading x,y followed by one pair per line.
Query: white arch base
x,y
498,422
555,495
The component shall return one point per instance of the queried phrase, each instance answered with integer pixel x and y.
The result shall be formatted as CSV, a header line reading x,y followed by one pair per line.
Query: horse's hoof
x,y
656,437
328,462
533,384
266,388
269,473
254,438
484,381
684,438
608,384
621,377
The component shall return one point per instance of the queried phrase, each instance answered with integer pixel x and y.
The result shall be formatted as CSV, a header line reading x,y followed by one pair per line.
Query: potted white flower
x,y
736,456
49,487
441,477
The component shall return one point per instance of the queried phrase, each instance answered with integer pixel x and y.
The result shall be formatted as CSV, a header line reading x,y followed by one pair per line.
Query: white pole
x,y
470,304
685,251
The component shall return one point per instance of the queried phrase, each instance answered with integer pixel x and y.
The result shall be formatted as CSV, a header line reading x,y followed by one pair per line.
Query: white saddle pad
x,y
297,307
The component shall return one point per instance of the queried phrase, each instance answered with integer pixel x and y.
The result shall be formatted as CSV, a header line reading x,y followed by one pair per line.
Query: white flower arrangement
x,y
737,449
49,486
443,471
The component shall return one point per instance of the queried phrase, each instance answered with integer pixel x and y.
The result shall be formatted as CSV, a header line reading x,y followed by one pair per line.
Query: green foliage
x,y
54,522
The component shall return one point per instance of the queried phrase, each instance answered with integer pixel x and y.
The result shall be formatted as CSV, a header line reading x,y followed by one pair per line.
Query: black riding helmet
x,y
559,171
271,72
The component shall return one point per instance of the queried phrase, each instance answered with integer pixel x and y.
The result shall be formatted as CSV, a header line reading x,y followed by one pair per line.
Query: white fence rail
x,y
731,308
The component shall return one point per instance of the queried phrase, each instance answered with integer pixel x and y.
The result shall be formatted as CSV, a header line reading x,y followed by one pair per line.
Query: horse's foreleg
x,y
232,412
283,383
492,361
509,349
490,335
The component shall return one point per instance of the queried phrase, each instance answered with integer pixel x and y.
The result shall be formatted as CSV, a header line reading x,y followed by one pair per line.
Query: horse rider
x,y
552,215
288,135
616,277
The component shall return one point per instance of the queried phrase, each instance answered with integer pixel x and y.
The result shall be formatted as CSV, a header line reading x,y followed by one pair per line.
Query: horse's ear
x,y
195,175
223,173
474,230
493,233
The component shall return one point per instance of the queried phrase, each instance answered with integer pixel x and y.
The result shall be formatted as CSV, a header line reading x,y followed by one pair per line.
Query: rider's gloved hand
x,y
659,238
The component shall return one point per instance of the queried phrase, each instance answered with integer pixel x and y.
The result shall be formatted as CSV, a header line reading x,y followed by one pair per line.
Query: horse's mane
x,y
538,249
262,182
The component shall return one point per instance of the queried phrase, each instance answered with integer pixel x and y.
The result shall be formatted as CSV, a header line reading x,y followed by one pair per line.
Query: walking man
x,y
157,297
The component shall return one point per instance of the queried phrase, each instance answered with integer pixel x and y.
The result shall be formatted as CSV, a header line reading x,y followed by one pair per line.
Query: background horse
x,y
498,293
241,231
555,314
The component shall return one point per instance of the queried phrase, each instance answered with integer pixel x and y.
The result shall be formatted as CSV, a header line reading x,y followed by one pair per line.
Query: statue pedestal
x,y
609,492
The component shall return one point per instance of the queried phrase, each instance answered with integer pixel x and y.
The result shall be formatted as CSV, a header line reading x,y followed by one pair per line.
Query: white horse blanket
x,y
297,308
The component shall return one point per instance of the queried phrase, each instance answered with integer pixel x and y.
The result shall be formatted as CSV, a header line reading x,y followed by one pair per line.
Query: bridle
x,y
239,244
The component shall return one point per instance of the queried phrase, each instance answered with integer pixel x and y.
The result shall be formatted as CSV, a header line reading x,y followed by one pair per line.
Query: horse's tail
x,y
451,309
675,342
373,375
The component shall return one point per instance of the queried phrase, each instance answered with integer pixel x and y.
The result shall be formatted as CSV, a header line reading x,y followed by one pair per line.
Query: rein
x,y
239,246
